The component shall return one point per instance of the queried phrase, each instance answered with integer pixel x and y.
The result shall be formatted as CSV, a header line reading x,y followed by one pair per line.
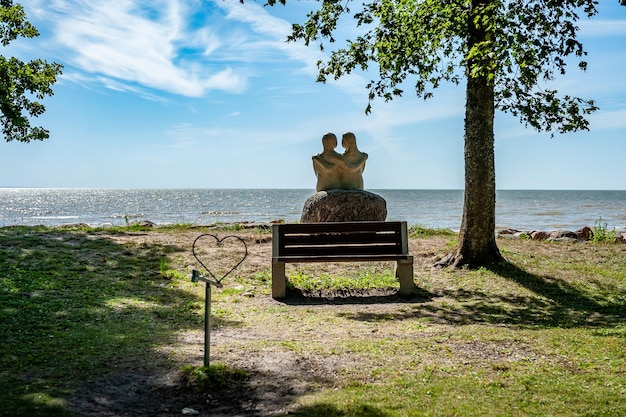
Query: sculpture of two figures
x,y
335,171
340,196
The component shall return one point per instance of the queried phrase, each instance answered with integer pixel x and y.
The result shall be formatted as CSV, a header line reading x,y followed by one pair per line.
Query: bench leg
x,y
279,288
404,273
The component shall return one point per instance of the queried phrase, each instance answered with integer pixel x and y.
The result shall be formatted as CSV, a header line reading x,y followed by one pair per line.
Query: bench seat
x,y
340,242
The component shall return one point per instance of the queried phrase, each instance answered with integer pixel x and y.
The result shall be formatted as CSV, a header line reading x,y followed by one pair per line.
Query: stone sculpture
x,y
328,164
340,196
355,163
339,172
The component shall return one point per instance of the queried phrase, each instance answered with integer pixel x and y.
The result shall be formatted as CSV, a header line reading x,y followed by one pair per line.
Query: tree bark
x,y
477,239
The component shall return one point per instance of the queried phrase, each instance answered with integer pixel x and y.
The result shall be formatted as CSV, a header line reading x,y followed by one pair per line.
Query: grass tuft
x,y
421,232
203,379
601,234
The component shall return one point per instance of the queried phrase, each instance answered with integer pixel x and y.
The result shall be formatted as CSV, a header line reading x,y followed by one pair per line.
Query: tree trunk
x,y
477,239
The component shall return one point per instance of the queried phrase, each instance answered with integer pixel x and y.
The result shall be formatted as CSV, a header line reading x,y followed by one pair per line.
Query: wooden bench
x,y
341,242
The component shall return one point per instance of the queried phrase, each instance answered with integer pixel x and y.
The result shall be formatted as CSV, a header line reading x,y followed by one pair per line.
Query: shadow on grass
x,y
606,307
75,306
329,410
295,296
553,303
262,393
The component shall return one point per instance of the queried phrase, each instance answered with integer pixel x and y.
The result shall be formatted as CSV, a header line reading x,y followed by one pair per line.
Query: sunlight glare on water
x,y
523,210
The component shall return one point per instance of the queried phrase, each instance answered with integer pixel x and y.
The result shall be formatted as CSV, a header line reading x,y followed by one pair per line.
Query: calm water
x,y
527,210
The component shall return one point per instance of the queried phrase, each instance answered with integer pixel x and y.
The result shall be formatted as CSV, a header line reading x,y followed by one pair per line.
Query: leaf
x,y
22,80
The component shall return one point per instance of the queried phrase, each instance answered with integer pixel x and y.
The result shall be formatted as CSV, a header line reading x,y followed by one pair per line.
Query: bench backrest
x,y
340,239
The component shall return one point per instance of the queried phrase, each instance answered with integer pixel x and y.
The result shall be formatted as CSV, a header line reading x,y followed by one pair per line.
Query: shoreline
x,y
582,234
522,210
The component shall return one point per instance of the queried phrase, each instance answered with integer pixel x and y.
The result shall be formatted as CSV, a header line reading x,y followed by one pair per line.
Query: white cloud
x,y
275,32
606,120
86,81
274,29
602,27
184,47
141,42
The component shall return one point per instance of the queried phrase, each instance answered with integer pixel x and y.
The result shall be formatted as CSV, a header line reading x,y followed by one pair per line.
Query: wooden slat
x,y
341,250
349,239
338,238
332,227
330,258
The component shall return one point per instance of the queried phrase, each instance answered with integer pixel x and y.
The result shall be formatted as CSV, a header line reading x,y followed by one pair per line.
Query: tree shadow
x,y
553,303
296,296
329,410
557,290
77,305
263,393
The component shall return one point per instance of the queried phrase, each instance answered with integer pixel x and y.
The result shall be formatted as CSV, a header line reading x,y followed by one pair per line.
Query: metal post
x,y
195,277
207,325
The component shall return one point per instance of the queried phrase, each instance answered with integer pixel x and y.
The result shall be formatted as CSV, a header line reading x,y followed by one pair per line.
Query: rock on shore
x,y
581,235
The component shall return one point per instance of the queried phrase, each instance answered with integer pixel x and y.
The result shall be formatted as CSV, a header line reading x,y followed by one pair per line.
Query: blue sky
x,y
207,94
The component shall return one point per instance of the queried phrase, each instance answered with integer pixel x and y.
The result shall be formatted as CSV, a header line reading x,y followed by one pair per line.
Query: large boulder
x,y
344,206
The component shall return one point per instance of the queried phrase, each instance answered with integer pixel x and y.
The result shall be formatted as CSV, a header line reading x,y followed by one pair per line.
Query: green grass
x,y
201,378
74,305
421,232
544,335
366,278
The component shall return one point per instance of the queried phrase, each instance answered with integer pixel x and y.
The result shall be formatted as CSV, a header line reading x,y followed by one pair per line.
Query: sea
x,y
516,209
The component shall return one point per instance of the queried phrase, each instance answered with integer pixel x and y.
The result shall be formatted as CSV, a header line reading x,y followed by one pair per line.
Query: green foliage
x,y
22,84
263,276
365,278
452,243
602,234
167,272
164,266
233,227
515,45
418,231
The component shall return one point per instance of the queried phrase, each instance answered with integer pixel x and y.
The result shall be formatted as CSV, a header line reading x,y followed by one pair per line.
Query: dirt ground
x,y
276,377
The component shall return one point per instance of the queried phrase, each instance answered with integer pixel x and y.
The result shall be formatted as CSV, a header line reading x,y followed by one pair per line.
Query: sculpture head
x,y
329,141
348,141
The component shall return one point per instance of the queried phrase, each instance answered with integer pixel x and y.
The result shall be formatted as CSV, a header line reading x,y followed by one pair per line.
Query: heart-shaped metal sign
x,y
224,254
